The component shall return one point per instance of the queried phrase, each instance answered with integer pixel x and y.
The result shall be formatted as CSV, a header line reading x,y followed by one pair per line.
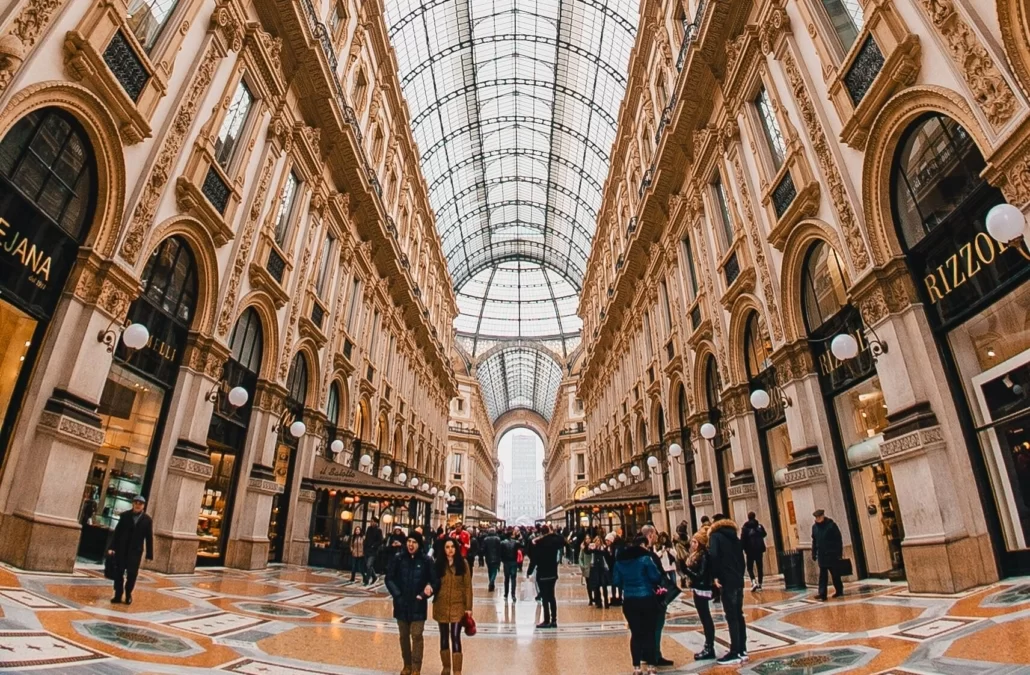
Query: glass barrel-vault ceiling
x,y
514,107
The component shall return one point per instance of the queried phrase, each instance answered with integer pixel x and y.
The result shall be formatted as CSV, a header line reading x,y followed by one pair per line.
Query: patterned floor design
x,y
297,621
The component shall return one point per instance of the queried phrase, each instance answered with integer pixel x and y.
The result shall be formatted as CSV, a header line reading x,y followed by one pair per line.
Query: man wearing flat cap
x,y
827,551
134,530
411,580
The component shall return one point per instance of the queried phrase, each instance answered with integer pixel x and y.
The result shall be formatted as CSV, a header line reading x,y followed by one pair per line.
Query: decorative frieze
x,y
991,92
26,28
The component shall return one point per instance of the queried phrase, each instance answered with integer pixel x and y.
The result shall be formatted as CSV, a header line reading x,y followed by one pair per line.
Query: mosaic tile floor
x,y
295,621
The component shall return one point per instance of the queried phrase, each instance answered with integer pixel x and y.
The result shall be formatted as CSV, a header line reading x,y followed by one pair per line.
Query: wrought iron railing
x,y
276,266
731,269
864,69
215,190
126,65
690,34
783,194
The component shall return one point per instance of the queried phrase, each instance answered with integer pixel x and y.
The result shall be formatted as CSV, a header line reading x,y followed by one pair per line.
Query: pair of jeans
x,y
642,616
357,564
754,560
412,643
704,612
596,592
369,573
733,608
838,585
491,572
547,598
126,570
659,626
511,574
450,637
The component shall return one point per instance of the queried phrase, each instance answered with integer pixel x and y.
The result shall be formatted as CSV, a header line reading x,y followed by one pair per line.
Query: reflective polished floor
x,y
295,621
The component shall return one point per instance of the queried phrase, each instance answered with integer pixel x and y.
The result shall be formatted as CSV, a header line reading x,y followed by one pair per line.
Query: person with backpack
x,y
752,538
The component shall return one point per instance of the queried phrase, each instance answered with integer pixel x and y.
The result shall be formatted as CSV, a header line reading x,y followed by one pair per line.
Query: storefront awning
x,y
634,493
331,475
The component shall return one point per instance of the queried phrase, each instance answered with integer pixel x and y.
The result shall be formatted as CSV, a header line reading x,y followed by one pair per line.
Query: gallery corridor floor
x,y
295,621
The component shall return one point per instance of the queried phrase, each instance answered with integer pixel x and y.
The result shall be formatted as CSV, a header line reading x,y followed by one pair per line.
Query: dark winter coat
x,y
752,537
545,556
726,554
510,550
635,573
131,536
827,543
406,579
492,549
373,540
600,569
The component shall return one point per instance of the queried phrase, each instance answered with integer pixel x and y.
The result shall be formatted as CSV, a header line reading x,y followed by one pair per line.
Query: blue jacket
x,y
635,573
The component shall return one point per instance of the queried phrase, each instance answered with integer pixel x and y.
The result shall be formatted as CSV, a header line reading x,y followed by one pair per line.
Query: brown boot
x,y
445,657
457,663
406,670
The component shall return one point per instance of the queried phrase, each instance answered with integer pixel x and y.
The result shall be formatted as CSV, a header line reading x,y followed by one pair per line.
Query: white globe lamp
x,y
414,482
425,487
135,336
402,478
623,478
238,396
612,482
760,399
708,431
366,460
635,471
336,447
675,450
433,490
297,429
652,462
844,346
387,471
1005,222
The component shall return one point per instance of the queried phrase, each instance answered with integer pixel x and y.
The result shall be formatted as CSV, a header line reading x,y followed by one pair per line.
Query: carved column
x,y
248,536
181,474
945,546
52,447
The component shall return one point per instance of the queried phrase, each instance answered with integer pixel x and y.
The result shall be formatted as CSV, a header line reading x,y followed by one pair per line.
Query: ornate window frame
x,y
103,32
898,48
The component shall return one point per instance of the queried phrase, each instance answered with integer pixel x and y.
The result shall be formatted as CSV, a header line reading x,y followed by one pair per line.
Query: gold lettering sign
x,y
961,266
26,253
828,363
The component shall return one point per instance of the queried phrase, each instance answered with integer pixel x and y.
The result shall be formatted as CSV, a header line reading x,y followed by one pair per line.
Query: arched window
x,y
170,279
247,342
937,167
757,348
332,408
48,158
823,288
712,385
297,381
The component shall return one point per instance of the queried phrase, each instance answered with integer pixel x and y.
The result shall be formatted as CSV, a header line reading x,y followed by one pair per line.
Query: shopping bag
x,y
109,567
469,624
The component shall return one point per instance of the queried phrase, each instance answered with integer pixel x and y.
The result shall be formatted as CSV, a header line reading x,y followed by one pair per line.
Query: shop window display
x,y
975,291
286,455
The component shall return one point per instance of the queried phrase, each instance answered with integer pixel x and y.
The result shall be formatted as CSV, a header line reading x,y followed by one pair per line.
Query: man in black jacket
x,y
134,530
492,553
544,561
827,550
411,580
373,542
510,547
727,559
752,538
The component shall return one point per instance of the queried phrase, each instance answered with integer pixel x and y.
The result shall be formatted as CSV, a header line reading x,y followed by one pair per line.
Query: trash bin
x,y
792,566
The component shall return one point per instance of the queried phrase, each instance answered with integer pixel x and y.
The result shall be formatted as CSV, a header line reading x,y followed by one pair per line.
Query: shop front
x,y
347,498
286,450
227,437
137,394
857,416
47,198
977,300
625,509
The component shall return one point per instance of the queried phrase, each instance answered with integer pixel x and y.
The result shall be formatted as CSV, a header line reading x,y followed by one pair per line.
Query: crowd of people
x,y
642,574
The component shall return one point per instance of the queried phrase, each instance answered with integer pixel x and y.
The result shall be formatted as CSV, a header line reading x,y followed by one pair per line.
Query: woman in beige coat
x,y
452,603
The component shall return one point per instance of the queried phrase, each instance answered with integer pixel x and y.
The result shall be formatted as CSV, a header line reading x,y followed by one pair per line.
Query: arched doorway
x,y
856,413
721,442
977,300
48,183
286,456
138,393
771,423
227,436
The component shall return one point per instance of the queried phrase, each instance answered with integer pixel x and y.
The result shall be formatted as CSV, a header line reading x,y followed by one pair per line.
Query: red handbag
x,y
469,624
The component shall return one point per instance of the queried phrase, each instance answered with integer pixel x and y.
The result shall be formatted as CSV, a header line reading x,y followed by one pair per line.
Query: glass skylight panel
x,y
513,106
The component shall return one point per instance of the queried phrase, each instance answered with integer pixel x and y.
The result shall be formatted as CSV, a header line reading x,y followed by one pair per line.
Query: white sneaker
x,y
754,586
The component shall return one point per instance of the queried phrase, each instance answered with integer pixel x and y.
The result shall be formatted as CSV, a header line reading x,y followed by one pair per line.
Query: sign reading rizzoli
x,y
960,271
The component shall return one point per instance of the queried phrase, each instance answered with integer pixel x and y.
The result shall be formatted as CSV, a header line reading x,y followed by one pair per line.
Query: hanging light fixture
x,y
708,431
1005,223
652,461
634,471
